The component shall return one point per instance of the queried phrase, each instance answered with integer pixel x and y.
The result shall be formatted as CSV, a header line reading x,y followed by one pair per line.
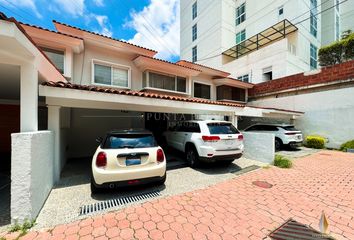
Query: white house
x,y
62,89
257,41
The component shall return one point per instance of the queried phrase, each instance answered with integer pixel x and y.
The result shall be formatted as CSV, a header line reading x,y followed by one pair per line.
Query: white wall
x,y
31,173
88,124
327,113
217,33
259,146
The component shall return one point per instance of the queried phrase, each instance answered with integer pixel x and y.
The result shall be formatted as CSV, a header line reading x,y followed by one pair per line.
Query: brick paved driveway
x,y
236,209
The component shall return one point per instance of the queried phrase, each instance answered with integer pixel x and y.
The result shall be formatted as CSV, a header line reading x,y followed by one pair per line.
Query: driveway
x,y
235,208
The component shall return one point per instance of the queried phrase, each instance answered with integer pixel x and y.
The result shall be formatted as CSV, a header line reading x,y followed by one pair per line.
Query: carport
x,y
78,114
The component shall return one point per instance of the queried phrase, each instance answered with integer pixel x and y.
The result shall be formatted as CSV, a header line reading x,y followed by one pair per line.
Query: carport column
x,y
234,120
29,98
54,126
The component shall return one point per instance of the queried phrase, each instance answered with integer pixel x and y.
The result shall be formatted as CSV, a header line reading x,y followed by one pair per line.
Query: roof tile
x,y
137,93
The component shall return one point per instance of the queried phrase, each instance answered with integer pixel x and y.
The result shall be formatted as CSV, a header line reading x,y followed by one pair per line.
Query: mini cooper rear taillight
x,y
240,137
101,160
160,156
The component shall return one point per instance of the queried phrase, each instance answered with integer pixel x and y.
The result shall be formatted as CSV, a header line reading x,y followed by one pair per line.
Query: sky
x,y
149,23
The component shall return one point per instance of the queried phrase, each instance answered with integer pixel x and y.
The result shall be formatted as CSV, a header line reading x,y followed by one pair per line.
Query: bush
x,y
282,162
317,142
345,146
337,52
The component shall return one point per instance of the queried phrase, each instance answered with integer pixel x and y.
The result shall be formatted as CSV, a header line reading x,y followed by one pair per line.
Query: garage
x,y
82,115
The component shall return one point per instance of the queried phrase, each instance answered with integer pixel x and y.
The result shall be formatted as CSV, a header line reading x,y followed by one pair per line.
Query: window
x,y
194,10
267,74
313,18
117,141
222,128
241,14
194,32
231,93
240,36
57,57
111,75
201,90
165,82
194,54
191,127
313,56
244,78
281,11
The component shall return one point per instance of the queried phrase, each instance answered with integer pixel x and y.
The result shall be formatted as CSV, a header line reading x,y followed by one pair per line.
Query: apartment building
x,y
256,41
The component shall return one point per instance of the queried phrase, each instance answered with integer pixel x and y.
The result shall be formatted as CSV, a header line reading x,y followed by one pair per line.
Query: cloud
x,y
73,7
98,3
22,3
106,28
157,26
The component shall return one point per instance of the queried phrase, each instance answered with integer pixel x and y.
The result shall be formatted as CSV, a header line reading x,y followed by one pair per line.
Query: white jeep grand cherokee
x,y
207,141
127,157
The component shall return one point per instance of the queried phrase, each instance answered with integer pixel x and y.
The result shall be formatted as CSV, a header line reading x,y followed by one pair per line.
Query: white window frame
x,y
240,33
195,7
203,83
312,58
241,77
42,47
313,18
146,72
194,33
112,65
196,53
242,14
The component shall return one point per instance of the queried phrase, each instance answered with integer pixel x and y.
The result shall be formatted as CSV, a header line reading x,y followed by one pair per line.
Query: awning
x,y
269,35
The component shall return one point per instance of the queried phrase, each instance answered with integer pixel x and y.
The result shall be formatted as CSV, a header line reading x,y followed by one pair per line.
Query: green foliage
x,y
22,228
337,52
346,145
282,162
316,142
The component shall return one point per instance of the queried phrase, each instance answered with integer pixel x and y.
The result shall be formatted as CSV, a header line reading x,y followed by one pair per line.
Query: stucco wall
x,y
259,146
327,113
31,173
88,124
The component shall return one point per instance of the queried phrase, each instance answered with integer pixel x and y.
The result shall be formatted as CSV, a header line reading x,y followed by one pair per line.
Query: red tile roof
x,y
18,25
115,39
165,61
138,94
48,30
183,62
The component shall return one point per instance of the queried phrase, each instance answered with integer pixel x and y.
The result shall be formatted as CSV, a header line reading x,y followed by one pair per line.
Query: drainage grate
x,y
244,170
293,230
100,206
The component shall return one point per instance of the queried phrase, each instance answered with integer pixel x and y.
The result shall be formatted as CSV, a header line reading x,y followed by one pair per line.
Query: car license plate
x,y
229,142
132,161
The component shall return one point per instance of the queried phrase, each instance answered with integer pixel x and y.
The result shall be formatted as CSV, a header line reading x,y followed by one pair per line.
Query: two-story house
x,y
62,89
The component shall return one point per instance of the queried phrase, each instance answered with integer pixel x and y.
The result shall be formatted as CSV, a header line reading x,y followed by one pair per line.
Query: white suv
x,y
284,134
208,141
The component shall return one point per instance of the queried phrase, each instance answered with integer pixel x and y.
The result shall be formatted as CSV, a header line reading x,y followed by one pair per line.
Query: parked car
x,y
127,157
284,134
208,141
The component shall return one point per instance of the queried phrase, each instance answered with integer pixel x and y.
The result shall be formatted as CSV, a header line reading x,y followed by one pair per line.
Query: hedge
x,y
337,52
317,142
345,146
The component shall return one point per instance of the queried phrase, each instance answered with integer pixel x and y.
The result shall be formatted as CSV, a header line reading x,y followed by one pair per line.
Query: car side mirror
x,y
99,140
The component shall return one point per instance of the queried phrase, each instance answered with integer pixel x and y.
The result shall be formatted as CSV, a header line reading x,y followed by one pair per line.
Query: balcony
x,y
262,39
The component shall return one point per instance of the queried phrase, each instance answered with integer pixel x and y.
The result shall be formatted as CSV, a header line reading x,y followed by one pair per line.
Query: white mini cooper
x,y
127,157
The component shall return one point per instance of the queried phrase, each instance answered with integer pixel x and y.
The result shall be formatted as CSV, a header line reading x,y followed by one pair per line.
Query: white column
x,y
29,98
54,126
68,61
234,120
